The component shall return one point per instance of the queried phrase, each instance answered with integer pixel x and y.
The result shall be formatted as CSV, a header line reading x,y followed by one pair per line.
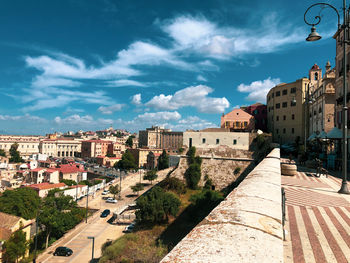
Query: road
x,y
77,240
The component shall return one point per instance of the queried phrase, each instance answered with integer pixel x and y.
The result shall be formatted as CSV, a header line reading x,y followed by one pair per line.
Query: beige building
x,y
60,147
237,120
140,155
94,148
286,111
158,137
340,69
27,145
321,99
214,137
10,224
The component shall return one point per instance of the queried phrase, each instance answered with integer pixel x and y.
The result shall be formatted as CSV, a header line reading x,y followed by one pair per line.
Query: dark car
x,y
105,213
63,251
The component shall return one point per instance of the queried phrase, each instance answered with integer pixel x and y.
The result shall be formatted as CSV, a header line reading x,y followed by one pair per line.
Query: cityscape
x,y
201,131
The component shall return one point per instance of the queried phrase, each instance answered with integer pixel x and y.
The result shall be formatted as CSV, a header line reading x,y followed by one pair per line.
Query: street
x,y
97,227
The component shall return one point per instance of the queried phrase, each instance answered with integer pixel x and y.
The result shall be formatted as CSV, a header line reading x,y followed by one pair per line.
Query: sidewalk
x,y
318,219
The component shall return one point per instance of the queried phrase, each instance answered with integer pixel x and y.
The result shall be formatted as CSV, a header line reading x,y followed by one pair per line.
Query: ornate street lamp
x,y
314,36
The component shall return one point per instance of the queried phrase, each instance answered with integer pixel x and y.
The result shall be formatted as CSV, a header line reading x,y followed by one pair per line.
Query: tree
x,y
23,202
150,176
68,182
15,247
137,187
127,162
2,153
163,161
129,142
156,206
114,190
58,214
193,172
15,155
237,170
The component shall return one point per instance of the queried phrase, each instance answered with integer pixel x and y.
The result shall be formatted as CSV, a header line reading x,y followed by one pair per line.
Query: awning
x,y
335,133
312,137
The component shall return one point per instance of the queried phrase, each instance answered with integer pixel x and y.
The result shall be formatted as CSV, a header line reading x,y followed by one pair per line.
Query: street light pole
x,y
93,246
87,204
314,36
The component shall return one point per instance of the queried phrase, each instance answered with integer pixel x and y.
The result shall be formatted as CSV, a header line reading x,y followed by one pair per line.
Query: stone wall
x,y
218,165
245,227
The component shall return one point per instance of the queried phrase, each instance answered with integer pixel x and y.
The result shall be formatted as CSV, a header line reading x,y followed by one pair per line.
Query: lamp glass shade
x,y
313,36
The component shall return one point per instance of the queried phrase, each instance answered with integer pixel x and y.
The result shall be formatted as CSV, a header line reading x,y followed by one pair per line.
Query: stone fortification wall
x,y
218,165
245,227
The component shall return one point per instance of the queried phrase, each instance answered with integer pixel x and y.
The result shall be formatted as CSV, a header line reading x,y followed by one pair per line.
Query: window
x,y
293,116
293,103
273,95
284,92
217,141
278,105
256,112
284,105
284,117
277,118
203,140
293,90
277,131
292,130
320,110
284,130
234,141
278,93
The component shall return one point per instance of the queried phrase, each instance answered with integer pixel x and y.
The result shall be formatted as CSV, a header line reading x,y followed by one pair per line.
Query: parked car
x,y
105,192
105,213
63,251
111,200
129,228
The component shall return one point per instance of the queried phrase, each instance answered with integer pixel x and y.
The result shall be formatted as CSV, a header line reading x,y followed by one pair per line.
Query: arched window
x,y
316,76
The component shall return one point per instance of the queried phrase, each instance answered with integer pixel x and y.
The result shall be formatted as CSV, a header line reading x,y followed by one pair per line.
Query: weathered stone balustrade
x,y
245,227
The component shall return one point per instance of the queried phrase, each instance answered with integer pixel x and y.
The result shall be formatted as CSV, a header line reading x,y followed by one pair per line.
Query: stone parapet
x,y
245,227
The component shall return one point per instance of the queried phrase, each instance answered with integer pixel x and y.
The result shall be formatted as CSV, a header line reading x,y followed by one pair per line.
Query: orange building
x,y
238,120
94,148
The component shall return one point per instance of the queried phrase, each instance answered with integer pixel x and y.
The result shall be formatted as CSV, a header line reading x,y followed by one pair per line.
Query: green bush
x,y
193,172
173,184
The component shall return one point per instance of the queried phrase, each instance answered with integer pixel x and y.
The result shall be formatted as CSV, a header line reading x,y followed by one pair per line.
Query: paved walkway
x,y
318,219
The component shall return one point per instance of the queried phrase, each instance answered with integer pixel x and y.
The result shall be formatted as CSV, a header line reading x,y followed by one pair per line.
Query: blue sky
x,y
74,64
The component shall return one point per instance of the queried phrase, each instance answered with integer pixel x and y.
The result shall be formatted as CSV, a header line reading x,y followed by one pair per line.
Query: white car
x,y
111,200
129,228
105,192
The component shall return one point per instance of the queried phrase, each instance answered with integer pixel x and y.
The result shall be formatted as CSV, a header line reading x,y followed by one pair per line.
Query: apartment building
x,y
286,110
94,148
259,112
158,137
27,145
237,120
140,155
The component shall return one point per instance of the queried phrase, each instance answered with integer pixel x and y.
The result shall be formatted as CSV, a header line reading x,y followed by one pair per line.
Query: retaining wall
x,y
245,227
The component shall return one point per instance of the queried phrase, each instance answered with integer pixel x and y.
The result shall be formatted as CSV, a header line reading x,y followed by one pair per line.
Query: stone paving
x,y
318,219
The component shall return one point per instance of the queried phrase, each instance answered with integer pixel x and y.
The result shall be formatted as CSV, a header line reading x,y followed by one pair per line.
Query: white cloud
x,y
125,82
258,89
199,35
201,78
157,117
51,97
136,99
111,109
43,82
26,117
193,96
77,120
